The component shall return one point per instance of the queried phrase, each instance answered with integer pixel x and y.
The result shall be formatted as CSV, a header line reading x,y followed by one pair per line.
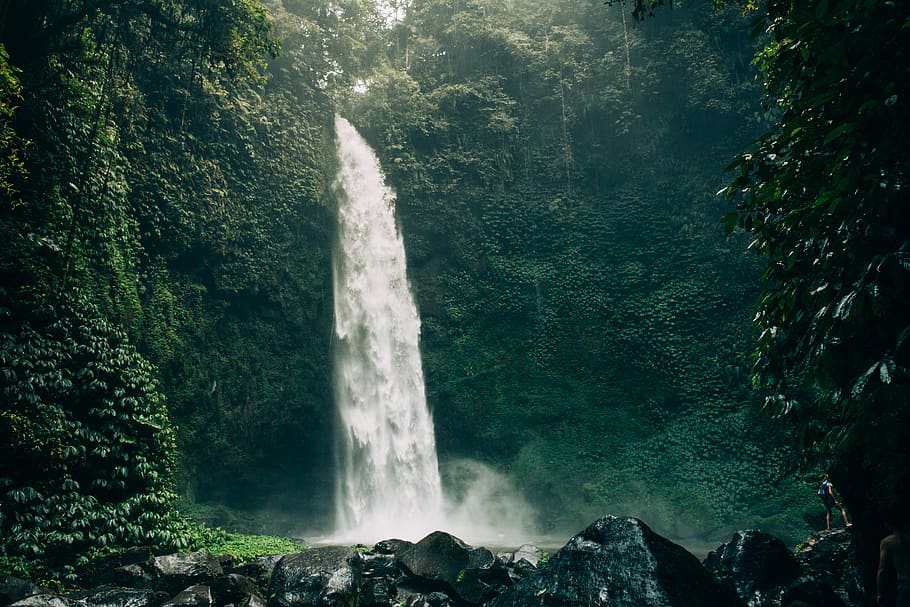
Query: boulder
x,y
115,597
42,600
528,553
620,562
232,589
758,566
100,571
254,600
14,589
522,562
379,565
406,598
377,592
198,595
320,576
829,557
136,575
443,562
174,572
259,569
808,592
391,546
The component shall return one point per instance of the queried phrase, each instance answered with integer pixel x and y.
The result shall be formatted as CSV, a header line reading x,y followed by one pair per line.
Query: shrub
x,y
88,453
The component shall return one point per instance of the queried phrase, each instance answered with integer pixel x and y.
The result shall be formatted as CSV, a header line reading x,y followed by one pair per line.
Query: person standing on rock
x,y
826,492
894,562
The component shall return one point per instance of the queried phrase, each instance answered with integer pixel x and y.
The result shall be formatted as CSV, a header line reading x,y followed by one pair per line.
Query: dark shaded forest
x,y
591,327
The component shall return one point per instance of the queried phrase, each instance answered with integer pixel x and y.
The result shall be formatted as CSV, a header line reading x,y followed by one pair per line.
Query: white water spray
x,y
388,482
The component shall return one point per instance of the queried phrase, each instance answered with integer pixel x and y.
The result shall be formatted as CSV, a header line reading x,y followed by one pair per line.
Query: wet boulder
x,y
115,597
14,589
198,595
807,592
392,546
101,571
233,589
172,573
758,566
259,569
43,600
379,566
406,598
522,562
445,563
620,562
527,552
320,576
829,558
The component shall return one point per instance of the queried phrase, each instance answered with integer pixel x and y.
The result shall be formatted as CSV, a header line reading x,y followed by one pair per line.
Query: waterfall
x,y
388,482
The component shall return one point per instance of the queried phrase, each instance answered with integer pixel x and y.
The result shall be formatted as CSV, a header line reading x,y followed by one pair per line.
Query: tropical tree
x,y
824,196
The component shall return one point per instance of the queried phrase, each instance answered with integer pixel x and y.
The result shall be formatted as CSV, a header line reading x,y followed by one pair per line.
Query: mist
x,y
483,507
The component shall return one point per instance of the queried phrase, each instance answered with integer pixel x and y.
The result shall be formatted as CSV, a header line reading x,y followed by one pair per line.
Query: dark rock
x,y
529,553
444,562
619,562
520,570
829,557
417,599
42,600
198,595
379,565
254,600
115,597
375,592
100,571
341,586
174,572
522,562
134,576
392,546
758,566
259,569
814,593
14,589
232,589
306,578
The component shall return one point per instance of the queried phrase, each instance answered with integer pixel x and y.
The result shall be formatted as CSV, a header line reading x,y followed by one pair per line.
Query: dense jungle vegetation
x,y
588,324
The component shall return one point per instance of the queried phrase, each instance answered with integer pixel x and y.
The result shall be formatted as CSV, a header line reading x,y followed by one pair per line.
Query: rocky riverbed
x,y
615,562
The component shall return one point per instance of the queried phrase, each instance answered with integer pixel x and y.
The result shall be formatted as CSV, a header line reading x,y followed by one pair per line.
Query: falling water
x,y
388,476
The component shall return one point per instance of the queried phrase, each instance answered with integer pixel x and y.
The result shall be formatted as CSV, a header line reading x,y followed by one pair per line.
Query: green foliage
x,y
245,547
88,453
242,547
12,168
823,195
585,320
178,177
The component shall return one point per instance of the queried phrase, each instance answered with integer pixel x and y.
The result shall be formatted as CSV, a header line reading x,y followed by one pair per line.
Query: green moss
x,y
245,547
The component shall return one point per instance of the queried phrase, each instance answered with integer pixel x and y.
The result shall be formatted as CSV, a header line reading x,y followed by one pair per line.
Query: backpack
x,y
823,490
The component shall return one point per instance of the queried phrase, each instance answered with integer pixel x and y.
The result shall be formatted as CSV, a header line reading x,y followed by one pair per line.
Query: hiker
x,y
894,562
826,492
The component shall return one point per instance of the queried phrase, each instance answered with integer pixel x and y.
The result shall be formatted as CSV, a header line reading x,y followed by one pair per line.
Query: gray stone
x,y
619,562
14,589
101,571
198,595
174,572
259,569
758,566
42,600
445,563
302,578
117,597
